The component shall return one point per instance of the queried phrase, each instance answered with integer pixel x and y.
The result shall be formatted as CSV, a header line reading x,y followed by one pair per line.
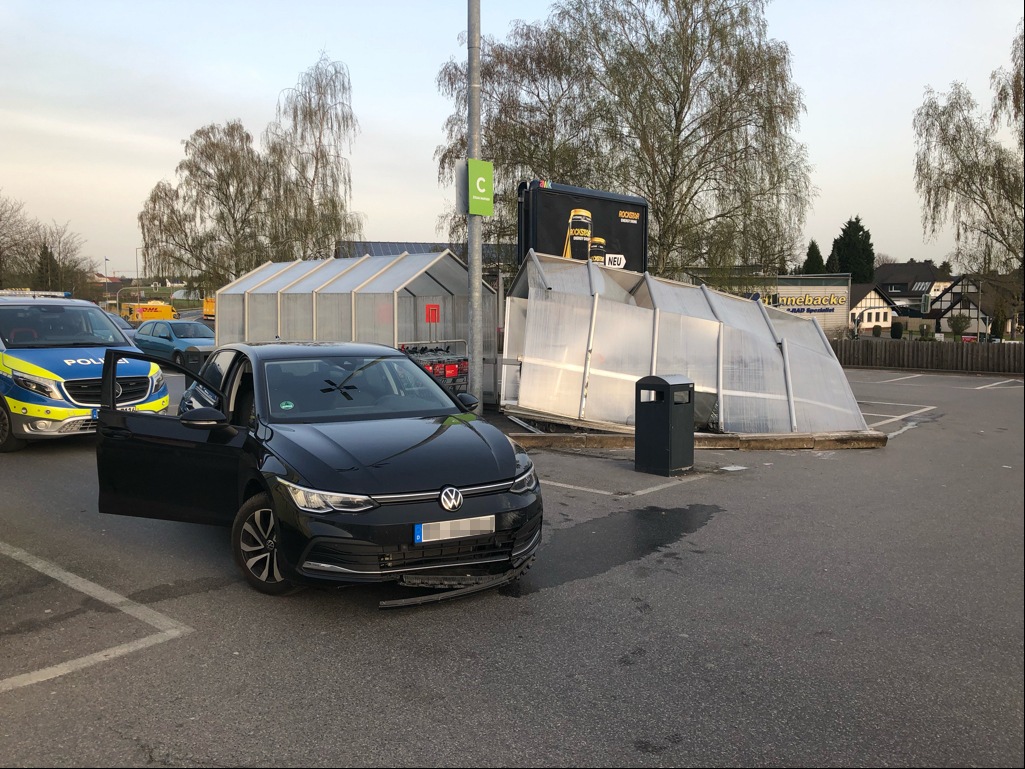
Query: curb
x,y
869,439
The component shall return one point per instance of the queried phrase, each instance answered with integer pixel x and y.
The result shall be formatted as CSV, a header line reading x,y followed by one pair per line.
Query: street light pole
x,y
106,283
138,298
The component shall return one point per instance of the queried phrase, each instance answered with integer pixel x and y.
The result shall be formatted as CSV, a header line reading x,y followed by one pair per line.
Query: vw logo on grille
x,y
451,498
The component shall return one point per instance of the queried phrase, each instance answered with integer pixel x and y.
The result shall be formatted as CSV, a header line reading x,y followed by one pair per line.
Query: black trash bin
x,y
664,425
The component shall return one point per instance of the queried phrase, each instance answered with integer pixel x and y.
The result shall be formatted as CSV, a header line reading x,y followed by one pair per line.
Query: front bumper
x,y
379,546
35,421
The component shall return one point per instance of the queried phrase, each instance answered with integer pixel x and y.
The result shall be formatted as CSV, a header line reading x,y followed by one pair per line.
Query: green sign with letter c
x,y
480,175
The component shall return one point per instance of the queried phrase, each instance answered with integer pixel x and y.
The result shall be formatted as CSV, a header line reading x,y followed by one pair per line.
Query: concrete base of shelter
x,y
868,439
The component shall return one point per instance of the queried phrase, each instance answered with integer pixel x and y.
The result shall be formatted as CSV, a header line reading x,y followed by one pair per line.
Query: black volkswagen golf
x,y
331,463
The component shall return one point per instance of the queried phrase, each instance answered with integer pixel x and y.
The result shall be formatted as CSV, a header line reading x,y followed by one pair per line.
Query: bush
x,y
958,323
877,331
896,331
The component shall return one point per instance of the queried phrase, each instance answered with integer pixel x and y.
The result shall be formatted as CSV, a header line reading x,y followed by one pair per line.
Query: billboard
x,y
578,223
826,298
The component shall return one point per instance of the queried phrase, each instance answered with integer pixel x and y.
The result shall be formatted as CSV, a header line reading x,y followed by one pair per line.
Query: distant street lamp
x,y
138,298
106,282
117,299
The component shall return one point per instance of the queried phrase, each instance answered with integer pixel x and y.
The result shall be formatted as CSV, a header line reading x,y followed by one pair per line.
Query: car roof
x,y
278,350
30,301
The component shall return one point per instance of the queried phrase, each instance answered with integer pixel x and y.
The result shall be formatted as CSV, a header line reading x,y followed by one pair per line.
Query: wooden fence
x,y
985,358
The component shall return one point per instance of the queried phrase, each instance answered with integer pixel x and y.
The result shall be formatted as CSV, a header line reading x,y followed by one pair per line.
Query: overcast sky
x,y
96,97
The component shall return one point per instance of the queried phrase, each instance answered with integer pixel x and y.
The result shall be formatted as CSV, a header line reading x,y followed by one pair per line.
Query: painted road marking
x,y
900,417
638,493
898,379
996,384
168,628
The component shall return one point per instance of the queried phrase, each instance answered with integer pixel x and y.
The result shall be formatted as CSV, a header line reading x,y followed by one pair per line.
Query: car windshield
x,y
192,331
119,321
352,387
54,325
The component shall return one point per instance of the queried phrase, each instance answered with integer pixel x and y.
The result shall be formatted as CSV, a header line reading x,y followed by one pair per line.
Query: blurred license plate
x,y
467,527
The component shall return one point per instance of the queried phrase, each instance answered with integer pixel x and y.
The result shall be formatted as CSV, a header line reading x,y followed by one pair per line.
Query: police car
x,y
51,361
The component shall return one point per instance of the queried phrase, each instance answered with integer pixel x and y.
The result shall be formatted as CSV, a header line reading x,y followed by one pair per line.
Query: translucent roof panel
x,y
628,279
823,400
400,272
351,280
683,300
445,276
797,329
325,271
254,277
566,276
602,284
292,271
741,313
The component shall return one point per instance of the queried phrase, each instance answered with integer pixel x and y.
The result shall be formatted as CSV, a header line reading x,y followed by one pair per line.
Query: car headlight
x,y
37,384
156,380
526,478
313,501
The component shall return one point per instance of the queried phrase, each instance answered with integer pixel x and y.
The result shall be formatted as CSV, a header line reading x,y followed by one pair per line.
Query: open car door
x,y
183,468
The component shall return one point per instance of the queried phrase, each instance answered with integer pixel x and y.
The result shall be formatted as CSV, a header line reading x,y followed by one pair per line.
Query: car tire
x,y
254,539
179,359
8,442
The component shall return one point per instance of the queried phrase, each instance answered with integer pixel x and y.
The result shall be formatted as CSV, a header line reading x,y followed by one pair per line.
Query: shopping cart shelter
x,y
579,335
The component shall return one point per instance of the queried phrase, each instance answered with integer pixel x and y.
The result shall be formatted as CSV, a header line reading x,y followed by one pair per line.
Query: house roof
x,y
915,278
995,297
861,290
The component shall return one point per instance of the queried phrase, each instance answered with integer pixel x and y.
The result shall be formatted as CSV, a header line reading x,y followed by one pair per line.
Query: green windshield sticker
x,y
286,405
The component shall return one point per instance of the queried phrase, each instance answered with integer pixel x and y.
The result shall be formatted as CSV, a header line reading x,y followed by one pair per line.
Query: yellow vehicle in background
x,y
209,308
136,312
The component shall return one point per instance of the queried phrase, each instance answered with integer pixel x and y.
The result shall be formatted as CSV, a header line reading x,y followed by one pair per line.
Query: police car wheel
x,y
254,543
7,440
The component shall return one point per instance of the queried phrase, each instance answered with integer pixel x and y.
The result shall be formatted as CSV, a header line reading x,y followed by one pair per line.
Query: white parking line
x,y
994,384
677,482
638,493
898,379
901,416
885,403
576,488
169,628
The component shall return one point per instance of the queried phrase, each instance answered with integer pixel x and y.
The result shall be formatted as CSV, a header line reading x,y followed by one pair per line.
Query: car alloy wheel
x,y
179,359
254,543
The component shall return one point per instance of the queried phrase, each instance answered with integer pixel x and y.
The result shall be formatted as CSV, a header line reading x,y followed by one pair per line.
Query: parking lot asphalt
x,y
771,608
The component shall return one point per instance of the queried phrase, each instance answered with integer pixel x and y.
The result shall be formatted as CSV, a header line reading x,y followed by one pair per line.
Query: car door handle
x,y
116,433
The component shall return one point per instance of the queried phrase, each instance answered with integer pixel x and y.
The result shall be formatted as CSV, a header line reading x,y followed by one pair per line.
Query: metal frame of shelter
x,y
393,300
578,335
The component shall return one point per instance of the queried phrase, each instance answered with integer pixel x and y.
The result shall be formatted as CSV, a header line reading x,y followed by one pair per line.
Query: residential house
x,y
982,300
870,307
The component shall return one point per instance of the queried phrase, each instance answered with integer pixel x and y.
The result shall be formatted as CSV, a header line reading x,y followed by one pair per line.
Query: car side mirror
x,y
203,418
468,401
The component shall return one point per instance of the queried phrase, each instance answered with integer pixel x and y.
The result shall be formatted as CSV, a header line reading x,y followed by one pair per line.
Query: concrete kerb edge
x,y
869,439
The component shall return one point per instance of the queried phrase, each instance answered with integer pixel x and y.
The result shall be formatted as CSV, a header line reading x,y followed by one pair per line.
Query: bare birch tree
x,y
966,176
234,207
310,178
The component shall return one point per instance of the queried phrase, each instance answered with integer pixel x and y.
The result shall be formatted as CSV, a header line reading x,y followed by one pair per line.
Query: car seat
x,y
22,335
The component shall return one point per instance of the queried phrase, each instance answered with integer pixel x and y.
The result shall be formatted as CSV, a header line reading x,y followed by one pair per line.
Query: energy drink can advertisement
x,y
578,234
579,223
